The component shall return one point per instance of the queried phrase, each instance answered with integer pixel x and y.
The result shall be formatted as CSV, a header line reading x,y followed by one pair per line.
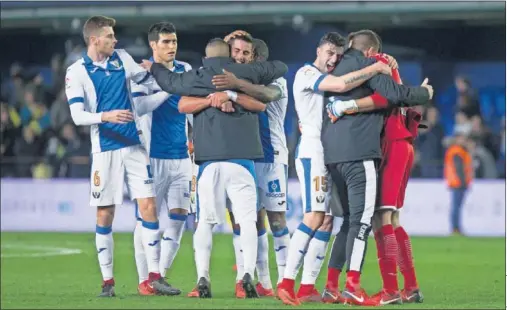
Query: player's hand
x,y
331,116
338,108
428,87
146,64
227,107
225,81
190,147
391,61
234,34
118,116
383,68
217,99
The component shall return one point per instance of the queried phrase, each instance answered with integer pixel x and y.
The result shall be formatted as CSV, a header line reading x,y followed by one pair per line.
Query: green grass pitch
x,y
454,272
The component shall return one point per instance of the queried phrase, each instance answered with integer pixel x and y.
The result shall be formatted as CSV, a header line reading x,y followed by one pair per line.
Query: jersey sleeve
x,y
139,90
74,88
310,78
281,83
134,71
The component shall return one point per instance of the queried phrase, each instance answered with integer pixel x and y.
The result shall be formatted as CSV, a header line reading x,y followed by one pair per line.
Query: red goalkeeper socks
x,y
405,260
388,261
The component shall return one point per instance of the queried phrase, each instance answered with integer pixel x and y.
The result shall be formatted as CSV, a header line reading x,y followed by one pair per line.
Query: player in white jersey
x,y
97,89
309,241
164,133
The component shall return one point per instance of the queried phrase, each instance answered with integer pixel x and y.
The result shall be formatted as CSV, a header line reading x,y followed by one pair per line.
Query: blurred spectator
x,y
468,101
74,52
484,162
460,118
68,154
13,87
38,89
458,172
57,77
483,135
429,149
59,111
28,146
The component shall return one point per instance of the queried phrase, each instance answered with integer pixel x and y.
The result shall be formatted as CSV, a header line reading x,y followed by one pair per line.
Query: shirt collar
x,y
89,62
176,65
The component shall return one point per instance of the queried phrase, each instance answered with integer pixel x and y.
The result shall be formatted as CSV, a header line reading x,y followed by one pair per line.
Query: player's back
x,y
164,130
309,103
103,86
271,124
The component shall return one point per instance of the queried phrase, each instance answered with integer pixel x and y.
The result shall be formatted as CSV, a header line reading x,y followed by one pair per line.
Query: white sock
x,y
151,244
105,245
203,240
297,250
238,253
315,257
262,264
170,242
140,256
281,240
249,245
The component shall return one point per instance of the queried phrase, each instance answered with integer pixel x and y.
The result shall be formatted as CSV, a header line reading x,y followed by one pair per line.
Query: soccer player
x,y
164,131
271,171
97,89
393,243
310,83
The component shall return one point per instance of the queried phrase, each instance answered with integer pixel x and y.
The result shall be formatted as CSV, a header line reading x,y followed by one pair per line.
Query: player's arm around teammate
x,y
394,172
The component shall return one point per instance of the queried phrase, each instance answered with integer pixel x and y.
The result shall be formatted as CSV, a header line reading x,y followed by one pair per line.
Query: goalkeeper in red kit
x,y
393,243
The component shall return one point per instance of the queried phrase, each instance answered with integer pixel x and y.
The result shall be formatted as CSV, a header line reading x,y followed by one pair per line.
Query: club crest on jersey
x,y
115,63
309,72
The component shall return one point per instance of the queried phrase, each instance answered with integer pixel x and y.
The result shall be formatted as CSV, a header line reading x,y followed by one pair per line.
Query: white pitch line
x,y
43,251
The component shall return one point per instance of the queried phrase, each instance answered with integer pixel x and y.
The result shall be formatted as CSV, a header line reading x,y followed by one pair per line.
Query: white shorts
x,y
272,186
110,169
219,181
193,189
173,181
314,182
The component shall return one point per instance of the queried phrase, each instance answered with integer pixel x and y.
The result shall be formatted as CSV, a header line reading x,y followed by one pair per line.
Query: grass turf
x,y
454,272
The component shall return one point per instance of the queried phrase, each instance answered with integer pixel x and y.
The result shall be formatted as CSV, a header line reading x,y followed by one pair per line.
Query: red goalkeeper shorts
x,y
398,157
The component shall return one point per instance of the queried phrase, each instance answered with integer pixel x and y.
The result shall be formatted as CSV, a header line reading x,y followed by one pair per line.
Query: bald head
x,y
217,48
365,40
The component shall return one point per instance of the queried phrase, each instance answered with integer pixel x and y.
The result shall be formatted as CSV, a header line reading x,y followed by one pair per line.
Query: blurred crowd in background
x,y
39,139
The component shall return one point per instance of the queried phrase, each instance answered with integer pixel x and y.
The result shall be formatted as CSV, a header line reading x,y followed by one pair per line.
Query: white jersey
x,y
309,103
104,87
271,125
164,129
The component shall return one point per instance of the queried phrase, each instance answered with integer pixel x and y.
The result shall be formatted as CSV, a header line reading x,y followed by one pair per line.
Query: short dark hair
x,y
261,50
158,28
94,24
332,38
368,39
